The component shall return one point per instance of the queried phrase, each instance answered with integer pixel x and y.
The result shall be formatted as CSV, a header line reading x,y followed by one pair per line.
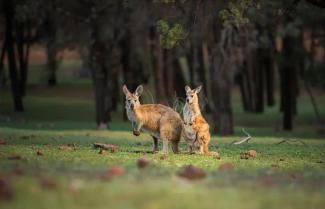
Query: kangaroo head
x,y
191,95
132,99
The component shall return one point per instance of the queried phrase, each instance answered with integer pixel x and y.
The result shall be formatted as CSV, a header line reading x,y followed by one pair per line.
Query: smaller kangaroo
x,y
160,121
196,129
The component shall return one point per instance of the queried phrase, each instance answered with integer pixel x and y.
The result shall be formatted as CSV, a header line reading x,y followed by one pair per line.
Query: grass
x,y
287,175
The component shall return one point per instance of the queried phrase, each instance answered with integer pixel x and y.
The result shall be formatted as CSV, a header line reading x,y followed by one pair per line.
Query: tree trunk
x,y
158,65
51,63
221,83
259,87
2,60
169,70
17,96
287,81
101,79
51,49
23,44
269,77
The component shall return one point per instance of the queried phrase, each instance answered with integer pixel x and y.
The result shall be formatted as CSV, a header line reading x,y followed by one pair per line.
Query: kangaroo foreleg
x,y
137,128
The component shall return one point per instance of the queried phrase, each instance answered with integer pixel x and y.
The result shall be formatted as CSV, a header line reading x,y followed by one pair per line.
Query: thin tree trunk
x,y
259,87
288,76
101,80
23,45
2,60
17,96
159,72
51,64
222,110
269,77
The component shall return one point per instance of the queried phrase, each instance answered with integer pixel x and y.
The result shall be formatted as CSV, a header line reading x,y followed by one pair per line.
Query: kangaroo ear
x,y
125,90
139,90
187,88
198,89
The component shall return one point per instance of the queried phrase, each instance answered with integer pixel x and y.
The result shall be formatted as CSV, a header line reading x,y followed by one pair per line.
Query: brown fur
x,y
196,129
160,121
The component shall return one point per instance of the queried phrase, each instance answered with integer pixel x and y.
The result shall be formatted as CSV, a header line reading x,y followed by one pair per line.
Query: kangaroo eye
x,y
129,100
192,95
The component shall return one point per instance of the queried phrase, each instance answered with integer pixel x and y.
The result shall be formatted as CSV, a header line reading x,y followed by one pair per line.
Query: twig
x,y
246,139
290,140
152,99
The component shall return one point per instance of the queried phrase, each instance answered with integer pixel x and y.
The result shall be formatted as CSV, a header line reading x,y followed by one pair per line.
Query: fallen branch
x,y
246,139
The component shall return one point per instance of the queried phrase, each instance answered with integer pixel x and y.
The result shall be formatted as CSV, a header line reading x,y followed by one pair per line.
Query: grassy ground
x,y
286,175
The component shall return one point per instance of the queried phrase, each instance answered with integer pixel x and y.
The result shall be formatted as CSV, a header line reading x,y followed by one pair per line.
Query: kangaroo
x,y
160,121
196,129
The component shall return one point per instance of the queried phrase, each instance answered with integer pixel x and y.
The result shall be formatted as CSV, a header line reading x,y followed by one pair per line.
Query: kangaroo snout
x,y
132,106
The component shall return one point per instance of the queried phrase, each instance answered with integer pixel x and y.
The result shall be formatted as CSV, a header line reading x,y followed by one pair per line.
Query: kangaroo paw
x,y
136,133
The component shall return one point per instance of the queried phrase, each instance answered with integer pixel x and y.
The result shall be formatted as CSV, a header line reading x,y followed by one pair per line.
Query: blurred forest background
x,y
267,53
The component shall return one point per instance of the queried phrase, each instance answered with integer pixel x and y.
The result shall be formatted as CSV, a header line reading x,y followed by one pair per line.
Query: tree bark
x,y
9,28
101,79
158,66
287,81
269,77
2,60
23,34
221,94
51,48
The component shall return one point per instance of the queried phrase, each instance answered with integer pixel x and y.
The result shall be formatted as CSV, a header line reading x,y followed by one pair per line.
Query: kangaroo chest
x,y
130,115
188,114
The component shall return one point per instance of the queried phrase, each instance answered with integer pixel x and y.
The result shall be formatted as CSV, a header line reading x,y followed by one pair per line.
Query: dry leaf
x,y
252,153
114,171
226,167
3,142
163,157
6,191
192,173
15,157
48,183
143,162
39,153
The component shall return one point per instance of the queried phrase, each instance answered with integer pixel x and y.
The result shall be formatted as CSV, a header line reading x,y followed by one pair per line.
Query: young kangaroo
x,y
196,129
160,121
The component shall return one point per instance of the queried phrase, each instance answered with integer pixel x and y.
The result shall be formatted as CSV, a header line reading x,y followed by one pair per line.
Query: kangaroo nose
x,y
132,105
187,100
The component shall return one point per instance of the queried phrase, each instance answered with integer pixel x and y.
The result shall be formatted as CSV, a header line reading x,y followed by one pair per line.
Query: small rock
x,y
191,172
226,167
114,171
143,162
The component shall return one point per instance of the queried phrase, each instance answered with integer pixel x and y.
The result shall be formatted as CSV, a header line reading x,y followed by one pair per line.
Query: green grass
x,y
287,175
